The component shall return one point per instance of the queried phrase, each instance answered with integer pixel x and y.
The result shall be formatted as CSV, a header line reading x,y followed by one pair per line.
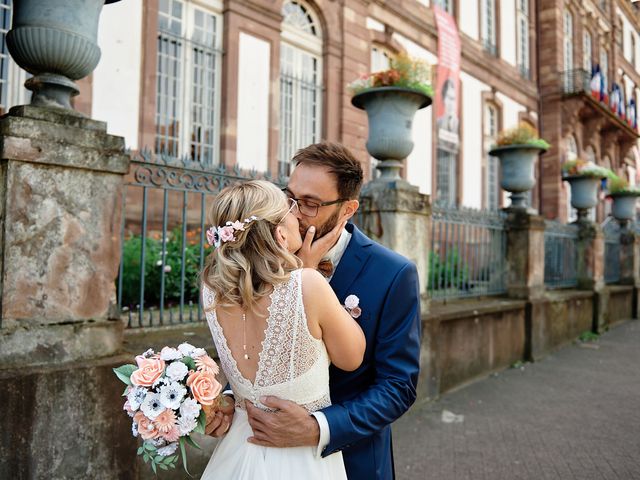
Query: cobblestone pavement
x,y
573,415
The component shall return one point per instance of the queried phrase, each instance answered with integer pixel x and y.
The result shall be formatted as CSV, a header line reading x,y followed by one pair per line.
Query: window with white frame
x,y
446,5
380,59
586,52
632,52
188,81
492,169
604,66
446,177
522,37
568,51
300,82
12,77
488,30
571,154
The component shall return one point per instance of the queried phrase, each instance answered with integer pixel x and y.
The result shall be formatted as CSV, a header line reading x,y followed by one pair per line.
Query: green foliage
x,y
405,72
452,272
150,455
620,186
131,257
588,336
124,372
523,134
579,167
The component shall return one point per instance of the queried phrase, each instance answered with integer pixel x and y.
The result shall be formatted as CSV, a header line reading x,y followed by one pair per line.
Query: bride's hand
x,y
312,251
218,423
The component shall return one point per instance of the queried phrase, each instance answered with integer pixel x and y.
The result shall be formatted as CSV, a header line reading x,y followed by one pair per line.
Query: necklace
x,y
244,336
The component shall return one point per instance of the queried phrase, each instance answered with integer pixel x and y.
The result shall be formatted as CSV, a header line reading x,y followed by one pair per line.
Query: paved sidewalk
x,y
573,415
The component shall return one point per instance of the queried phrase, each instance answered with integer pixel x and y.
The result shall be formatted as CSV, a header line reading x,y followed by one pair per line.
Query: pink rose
x,y
226,234
149,370
204,387
355,312
146,428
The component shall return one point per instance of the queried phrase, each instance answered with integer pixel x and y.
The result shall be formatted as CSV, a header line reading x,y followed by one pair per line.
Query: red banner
x,y
447,82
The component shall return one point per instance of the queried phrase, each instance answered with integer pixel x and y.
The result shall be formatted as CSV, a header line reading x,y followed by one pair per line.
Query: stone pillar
x,y
590,251
61,184
398,216
630,263
525,254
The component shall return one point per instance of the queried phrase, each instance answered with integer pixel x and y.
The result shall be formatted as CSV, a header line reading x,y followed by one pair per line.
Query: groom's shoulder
x,y
381,255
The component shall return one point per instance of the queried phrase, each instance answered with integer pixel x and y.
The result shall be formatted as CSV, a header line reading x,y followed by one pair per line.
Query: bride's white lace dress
x,y
292,365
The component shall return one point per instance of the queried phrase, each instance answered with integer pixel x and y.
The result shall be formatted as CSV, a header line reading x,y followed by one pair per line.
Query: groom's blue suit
x,y
368,400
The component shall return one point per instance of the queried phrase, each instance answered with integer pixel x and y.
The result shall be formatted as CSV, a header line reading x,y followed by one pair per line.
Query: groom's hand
x,y
219,423
289,426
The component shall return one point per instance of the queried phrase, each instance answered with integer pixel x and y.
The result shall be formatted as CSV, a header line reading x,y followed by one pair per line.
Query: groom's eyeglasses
x,y
309,208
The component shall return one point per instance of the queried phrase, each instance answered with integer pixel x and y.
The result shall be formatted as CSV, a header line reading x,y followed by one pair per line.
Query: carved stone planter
x,y
584,193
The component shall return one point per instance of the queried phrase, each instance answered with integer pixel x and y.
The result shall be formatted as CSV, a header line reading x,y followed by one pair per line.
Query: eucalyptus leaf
x,y
124,372
192,442
184,456
155,470
140,450
188,361
162,466
202,421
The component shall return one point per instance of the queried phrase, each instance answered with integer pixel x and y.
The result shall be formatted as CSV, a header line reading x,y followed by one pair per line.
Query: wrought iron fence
x,y
560,255
163,237
468,253
611,230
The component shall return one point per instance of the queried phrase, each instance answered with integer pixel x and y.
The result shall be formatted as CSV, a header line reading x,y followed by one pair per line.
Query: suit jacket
x,y
368,400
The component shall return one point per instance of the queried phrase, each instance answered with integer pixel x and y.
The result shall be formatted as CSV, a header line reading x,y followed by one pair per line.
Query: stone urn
x,y
584,193
517,166
624,205
55,41
390,111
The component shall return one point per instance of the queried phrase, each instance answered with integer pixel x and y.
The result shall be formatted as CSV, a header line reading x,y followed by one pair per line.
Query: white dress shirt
x,y
334,255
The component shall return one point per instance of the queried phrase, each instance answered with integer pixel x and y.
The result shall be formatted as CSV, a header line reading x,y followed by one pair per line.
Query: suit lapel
x,y
352,262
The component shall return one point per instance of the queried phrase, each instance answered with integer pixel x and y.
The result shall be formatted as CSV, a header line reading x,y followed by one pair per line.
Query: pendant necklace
x,y
244,335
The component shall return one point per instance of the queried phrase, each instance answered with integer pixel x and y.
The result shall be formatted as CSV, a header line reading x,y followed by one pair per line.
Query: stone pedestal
x,y
630,264
525,254
61,185
398,216
590,252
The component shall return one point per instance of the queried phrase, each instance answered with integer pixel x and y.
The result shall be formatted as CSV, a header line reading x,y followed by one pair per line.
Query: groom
x,y
326,183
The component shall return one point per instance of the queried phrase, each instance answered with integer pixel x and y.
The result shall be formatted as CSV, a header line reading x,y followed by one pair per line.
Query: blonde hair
x,y
242,272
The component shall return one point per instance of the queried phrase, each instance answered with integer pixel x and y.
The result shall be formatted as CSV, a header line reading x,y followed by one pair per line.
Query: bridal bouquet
x,y
168,395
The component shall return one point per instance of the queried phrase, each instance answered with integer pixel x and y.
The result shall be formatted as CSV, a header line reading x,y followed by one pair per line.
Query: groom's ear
x,y
350,208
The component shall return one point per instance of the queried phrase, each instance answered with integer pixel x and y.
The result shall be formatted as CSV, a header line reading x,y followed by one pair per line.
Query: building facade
x,y
247,83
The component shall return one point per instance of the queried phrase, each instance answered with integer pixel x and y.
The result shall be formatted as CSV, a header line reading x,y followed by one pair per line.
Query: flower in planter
x,y
405,72
582,168
619,186
523,134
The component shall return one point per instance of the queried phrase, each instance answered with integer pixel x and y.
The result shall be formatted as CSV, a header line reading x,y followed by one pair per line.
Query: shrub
x,y
131,258
523,134
447,273
579,167
405,72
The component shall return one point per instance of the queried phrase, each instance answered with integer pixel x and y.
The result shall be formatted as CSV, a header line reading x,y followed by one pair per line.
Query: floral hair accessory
x,y
216,236
351,305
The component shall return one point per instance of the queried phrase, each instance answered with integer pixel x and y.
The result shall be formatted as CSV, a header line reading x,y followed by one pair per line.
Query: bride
x,y
276,327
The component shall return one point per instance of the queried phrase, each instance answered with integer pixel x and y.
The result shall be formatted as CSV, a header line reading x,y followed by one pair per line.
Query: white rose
x,y
186,349
198,352
168,353
351,301
176,371
190,409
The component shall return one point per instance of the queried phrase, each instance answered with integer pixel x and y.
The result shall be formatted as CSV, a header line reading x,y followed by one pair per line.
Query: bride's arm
x,y
341,334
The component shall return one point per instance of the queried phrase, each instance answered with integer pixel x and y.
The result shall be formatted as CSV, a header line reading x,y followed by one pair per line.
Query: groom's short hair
x,y
340,161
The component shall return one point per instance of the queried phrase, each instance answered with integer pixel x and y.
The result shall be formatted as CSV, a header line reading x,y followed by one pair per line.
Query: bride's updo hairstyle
x,y
242,271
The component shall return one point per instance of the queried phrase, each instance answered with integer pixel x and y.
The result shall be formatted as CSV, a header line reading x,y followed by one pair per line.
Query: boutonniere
x,y
351,305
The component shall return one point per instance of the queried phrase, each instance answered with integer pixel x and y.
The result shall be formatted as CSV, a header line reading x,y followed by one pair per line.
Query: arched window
x,y
492,169
604,66
571,154
300,81
572,148
590,154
